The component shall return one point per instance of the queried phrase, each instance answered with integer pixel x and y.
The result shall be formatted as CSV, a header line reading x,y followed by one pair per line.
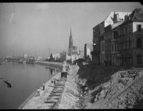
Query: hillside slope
x,y
110,88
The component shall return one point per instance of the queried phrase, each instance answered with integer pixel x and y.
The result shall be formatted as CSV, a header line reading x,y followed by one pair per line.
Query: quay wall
x,y
55,65
50,65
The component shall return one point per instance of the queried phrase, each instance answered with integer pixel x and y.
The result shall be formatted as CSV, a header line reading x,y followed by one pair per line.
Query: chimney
x,y
126,17
117,17
114,17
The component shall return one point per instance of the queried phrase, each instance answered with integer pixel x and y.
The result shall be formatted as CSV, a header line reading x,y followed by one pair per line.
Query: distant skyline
x,y
33,28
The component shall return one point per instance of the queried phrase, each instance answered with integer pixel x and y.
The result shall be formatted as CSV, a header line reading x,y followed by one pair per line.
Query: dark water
x,y
24,78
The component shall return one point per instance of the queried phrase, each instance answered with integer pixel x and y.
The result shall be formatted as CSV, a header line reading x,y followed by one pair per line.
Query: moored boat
x,y
30,61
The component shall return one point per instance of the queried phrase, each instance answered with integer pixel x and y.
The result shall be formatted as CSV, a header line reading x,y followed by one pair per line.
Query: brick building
x,y
107,37
130,41
96,45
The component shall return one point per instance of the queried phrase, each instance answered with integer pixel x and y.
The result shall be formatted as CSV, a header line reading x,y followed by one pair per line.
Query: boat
x,y
30,61
20,61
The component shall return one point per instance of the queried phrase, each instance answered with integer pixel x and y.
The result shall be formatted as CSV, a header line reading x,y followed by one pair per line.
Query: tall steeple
x,y
70,43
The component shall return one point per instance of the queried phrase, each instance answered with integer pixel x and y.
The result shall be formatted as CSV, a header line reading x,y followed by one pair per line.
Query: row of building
x,y
118,40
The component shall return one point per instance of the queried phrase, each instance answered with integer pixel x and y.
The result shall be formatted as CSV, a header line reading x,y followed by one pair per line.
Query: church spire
x,y
70,43
70,33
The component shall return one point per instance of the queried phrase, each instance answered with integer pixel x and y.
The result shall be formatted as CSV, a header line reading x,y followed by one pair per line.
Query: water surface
x,y
24,78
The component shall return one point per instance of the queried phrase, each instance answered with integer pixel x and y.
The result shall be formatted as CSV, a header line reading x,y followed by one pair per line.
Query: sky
x,y
33,28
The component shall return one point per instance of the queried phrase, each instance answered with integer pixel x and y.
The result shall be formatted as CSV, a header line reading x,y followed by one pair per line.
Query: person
x,y
43,87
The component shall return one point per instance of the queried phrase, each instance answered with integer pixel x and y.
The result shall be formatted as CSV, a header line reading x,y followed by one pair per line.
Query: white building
x,y
88,48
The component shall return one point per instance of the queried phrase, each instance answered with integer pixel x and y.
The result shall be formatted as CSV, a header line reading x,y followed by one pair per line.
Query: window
x,y
127,43
139,43
102,47
118,32
123,30
126,29
115,47
123,45
112,47
139,59
138,27
130,28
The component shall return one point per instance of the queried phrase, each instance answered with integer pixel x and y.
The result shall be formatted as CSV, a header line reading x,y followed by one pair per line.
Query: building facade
x,y
88,48
102,43
114,43
107,37
130,39
98,35
118,40
96,45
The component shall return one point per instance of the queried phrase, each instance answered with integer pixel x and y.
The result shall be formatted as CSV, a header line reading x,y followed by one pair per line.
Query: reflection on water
x,y
51,71
24,78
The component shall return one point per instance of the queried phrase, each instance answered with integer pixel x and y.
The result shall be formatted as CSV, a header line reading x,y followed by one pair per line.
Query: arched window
x,y
139,43
139,59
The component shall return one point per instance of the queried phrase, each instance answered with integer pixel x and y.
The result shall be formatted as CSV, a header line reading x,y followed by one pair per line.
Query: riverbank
x,y
71,93
36,99
57,65
96,87
69,96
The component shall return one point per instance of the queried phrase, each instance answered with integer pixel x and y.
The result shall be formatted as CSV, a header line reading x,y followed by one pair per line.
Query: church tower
x,y
70,44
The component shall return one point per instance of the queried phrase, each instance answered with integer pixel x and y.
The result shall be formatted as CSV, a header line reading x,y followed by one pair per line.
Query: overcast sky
x,y
33,28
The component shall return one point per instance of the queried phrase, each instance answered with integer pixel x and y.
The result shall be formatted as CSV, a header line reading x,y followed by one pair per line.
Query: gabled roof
x,y
137,14
137,10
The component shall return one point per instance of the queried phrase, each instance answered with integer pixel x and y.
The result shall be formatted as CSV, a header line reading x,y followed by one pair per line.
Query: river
x,y
24,78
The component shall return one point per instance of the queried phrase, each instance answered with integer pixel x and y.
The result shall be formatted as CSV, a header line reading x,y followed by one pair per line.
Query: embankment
x,y
51,64
96,87
71,94
110,87
34,100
